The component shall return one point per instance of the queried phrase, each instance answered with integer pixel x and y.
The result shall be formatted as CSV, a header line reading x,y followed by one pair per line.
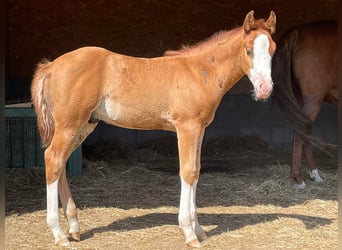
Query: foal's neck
x,y
222,63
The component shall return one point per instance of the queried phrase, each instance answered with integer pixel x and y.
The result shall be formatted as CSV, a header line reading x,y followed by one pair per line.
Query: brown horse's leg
x,y
313,171
297,152
189,145
311,108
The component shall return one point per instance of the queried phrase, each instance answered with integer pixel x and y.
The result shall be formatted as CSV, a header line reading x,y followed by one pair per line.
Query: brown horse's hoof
x,y
202,236
194,243
314,175
63,243
76,236
299,186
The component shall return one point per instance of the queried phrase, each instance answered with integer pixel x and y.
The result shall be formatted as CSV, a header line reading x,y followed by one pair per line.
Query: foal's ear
x,y
249,21
271,22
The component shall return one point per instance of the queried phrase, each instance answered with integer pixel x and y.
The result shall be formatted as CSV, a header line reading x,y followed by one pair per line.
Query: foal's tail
x,y
285,88
45,122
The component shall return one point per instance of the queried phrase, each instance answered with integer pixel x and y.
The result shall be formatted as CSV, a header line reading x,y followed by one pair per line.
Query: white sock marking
x,y
299,187
315,176
52,216
187,210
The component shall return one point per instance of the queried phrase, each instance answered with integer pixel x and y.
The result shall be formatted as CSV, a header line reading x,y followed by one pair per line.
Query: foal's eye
x,y
249,52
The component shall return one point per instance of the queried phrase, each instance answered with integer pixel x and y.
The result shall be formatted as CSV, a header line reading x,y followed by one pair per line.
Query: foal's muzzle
x,y
262,88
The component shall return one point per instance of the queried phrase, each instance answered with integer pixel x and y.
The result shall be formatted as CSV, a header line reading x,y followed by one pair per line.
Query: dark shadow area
x,y
224,222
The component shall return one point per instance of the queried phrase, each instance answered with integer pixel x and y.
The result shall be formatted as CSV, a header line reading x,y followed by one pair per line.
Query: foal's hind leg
x,y
69,207
63,143
55,159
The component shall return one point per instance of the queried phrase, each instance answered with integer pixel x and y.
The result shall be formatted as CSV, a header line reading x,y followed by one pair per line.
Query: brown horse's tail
x,y
45,122
283,98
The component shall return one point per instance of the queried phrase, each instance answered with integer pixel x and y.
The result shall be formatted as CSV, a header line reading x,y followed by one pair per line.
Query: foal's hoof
x,y
194,243
63,243
299,186
202,236
75,236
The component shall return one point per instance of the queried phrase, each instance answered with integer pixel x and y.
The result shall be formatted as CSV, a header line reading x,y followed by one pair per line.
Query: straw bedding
x,y
245,199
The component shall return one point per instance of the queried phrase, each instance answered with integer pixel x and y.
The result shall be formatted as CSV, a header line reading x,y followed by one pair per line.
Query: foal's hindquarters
x,y
63,108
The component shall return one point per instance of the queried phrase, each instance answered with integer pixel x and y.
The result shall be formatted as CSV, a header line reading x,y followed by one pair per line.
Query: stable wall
x,y
49,28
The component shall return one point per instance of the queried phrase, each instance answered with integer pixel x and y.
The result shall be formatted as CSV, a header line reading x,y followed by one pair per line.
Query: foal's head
x,y
256,53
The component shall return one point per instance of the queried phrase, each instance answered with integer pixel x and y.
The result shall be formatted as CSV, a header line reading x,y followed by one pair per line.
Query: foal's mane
x,y
217,38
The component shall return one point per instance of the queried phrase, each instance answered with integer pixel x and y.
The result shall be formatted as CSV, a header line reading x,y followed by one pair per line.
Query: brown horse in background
x,y
304,70
178,92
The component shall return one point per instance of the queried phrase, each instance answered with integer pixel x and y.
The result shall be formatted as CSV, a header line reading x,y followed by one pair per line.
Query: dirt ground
x,y
128,198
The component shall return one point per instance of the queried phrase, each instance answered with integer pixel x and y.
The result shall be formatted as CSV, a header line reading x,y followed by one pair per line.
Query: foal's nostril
x,y
264,90
262,85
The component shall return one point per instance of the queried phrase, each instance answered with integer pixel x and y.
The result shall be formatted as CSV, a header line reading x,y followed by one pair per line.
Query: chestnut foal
x,y
178,92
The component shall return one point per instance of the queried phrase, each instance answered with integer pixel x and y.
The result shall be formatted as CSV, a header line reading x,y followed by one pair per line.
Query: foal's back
x,y
144,93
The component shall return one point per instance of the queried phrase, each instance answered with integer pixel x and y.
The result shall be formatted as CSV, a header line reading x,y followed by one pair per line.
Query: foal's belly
x,y
132,116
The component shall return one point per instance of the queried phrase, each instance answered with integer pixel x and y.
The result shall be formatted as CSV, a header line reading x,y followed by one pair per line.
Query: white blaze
x,y
260,73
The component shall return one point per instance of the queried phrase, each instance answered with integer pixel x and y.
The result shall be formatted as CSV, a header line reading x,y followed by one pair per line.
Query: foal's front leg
x,y
187,209
189,145
187,213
